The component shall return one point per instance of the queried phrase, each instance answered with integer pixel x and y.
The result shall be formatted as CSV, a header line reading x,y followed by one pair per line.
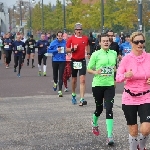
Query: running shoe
x,y
60,94
55,87
44,74
33,66
15,70
139,148
27,63
18,75
7,66
39,73
110,141
82,102
95,129
66,90
74,101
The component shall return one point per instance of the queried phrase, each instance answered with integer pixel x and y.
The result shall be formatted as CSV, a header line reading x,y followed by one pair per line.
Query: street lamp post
x,y
42,18
21,5
64,15
102,16
140,26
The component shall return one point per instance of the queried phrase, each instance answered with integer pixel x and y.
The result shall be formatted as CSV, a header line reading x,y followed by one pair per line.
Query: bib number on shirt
x,y
31,46
62,50
19,48
6,46
77,65
107,71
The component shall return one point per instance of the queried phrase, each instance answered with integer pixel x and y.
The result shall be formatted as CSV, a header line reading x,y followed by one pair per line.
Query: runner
x,y
42,46
30,43
58,49
8,49
78,44
104,62
19,49
136,95
125,48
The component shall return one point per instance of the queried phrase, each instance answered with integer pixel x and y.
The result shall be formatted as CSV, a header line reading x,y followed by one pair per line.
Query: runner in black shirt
x,y
30,43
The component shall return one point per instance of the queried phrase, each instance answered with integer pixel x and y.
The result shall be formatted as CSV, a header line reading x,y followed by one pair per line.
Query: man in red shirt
x,y
78,45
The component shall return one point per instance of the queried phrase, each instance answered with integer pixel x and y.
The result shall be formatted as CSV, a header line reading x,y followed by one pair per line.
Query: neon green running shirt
x,y
106,61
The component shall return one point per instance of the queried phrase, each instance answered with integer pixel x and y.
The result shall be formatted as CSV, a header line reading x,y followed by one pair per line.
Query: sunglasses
x,y
137,42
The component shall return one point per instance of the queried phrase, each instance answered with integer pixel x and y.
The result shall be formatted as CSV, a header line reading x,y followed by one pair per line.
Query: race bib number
x,y
22,48
77,65
6,46
19,48
62,50
127,51
107,71
31,46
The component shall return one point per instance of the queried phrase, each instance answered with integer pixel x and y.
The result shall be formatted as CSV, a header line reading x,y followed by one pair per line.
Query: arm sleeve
x,y
52,48
120,71
92,62
37,44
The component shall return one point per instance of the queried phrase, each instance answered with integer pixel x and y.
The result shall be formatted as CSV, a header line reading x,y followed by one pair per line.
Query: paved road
x,y
30,84
32,117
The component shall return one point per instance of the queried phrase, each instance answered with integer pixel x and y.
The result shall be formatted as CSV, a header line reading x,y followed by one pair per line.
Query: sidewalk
x,y
51,123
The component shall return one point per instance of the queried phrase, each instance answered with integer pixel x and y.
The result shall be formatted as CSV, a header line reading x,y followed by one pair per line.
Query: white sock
x,y
39,66
44,68
142,141
133,142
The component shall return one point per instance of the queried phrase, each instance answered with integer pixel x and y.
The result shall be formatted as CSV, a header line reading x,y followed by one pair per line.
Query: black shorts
x,y
82,71
130,112
29,51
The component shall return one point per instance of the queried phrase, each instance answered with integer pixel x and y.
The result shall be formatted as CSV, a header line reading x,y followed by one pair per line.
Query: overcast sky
x,y
12,2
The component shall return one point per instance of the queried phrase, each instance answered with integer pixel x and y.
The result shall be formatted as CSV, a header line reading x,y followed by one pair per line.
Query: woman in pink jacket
x,y
135,70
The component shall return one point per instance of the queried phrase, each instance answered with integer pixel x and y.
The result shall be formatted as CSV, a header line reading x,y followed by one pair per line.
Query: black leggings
x,y
40,57
108,93
23,56
58,66
18,60
8,56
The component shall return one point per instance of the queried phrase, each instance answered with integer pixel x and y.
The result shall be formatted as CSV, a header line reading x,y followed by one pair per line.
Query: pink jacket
x,y
140,66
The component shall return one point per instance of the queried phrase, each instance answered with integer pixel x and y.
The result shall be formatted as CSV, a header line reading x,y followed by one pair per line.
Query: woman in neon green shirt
x,y
104,61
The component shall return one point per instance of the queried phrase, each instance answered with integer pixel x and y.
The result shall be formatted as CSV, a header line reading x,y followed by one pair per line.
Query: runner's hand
x,y
129,74
23,51
16,52
59,49
75,47
97,72
41,45
148,81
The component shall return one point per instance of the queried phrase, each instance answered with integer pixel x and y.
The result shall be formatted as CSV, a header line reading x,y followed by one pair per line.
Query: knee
x,y
145,128
74,80
133,130
82,80
99,110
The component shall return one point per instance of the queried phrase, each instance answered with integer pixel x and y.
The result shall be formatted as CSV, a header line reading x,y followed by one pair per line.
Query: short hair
x,y
103,35
134,34
59,32
110,30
